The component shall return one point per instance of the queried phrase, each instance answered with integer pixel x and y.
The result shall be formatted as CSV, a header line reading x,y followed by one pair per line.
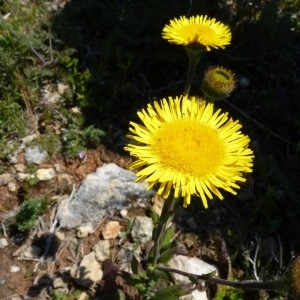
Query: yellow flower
x,y
197,30
187,146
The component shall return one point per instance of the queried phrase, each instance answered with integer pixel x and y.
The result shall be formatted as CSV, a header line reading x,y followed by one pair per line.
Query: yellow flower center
x,y
198,33
189,147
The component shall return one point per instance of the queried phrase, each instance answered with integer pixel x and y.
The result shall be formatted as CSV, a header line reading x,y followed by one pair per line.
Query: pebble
x,y
14,269
89,271
101,250
3,243
111,230
84,230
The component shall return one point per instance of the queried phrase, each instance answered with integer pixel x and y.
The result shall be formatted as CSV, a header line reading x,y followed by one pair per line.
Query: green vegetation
x,y
29,211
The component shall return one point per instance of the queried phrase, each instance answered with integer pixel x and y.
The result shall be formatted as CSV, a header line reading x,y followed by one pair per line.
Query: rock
x,y
45,174
89,271
5,178
14,269
107,190
60,285
195,295
111,230
123,213
142,229
35,155
3,243
21,168
60,235
32,252
191,265
84,230
58,282
125,256
101,250
12,187
22,176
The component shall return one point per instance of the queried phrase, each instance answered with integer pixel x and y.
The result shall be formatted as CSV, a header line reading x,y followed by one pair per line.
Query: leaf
x,y
172,292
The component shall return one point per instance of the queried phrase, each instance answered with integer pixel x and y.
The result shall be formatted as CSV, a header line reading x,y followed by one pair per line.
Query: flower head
x,y
186,146
197,30
218,83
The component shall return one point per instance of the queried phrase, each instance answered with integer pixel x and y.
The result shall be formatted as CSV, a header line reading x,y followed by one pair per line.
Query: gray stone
x,y
142,229
35,155
105,191
101,250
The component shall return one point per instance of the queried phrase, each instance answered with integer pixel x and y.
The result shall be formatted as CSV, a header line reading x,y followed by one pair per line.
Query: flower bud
x,y
218,83
291,278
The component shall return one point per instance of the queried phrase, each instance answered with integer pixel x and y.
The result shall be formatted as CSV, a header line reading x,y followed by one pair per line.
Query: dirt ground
x,y
32,279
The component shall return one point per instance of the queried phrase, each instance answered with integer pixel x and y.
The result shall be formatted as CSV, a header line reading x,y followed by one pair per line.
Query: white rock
x,y
5,178
191,265
12,187
32,252
142,229
123,213
84,230
89,271
45,174
195,295
22,176
3,243
101,250
21,168
14,269
60,235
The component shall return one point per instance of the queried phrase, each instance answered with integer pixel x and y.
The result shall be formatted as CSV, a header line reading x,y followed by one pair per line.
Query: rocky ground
x,y
76,248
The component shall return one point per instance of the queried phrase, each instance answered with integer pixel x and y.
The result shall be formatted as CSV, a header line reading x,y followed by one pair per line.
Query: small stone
x,y
45,174
123,213
58,282
29,138
5,178
12,187
22,176
35,155
3,243
60,235
101,250
191,265
21,168
14,269
84,230
111,230
126,254
89,271
62,88
142,229
32,252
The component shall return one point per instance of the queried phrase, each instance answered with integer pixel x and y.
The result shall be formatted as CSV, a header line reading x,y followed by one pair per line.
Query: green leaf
x,y
172,292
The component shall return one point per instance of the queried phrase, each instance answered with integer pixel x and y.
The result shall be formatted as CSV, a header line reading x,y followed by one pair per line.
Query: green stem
x,y
194,57
162,224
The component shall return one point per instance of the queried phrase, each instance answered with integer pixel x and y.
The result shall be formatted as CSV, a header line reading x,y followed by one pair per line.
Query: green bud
x,y
291,278
218,83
